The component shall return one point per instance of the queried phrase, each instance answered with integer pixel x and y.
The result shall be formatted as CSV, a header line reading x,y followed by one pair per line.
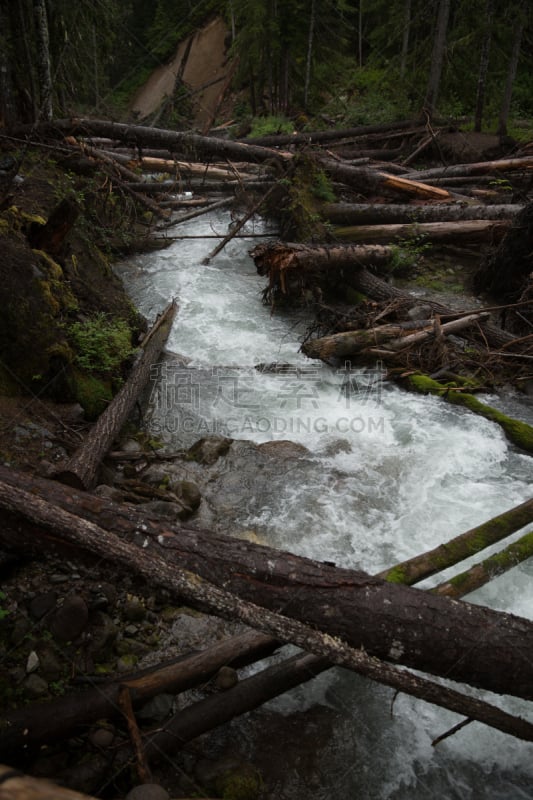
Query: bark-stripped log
x,y
468,643
81,469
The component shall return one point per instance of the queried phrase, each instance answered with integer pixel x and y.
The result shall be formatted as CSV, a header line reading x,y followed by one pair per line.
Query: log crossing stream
x,y
388,475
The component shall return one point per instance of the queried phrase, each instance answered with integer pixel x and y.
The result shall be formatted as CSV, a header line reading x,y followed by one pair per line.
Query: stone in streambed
x,y
71,619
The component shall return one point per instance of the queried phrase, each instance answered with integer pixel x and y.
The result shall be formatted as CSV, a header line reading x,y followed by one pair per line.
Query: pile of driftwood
x,y
384,204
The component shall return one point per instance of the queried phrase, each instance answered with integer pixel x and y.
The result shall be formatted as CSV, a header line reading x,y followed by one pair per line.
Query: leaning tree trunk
x,y
236,578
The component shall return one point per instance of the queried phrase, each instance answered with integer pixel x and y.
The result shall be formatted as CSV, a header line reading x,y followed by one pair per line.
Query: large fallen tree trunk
x,y
475,230
478,168
82,468
141,136
468,643
386,213
393,337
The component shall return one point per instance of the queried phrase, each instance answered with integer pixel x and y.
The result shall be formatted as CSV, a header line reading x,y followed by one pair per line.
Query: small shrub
x,y
266,126
101,345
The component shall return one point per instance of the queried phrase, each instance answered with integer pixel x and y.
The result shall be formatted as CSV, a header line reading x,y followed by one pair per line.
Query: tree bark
x,y
43,59
392,337
81,469
437,57
477,168
483,65
475,230
369,180
467,643
387,213
43,723
142,136
511,74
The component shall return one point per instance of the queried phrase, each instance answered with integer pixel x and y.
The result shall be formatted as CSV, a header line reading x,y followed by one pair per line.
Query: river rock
x,y
35,686
188,492
209,449
148,791
41,604
157,708
87,775
134,609
32,664
70,619
226,678
50,666
103,635
167,509
102,737
283,448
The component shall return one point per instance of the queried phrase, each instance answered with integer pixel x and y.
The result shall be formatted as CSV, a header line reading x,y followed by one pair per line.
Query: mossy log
x,y
519,433
81,470
463,546
250,582
491,567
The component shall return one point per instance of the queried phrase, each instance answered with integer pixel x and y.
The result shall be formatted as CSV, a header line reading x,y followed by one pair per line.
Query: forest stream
x,y
385,475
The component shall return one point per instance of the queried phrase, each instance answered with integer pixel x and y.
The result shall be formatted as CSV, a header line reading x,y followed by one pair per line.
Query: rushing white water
x,y
395,474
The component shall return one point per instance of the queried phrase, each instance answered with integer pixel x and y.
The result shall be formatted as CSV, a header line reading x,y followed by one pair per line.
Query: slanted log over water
x,y
461,547
468,643
81,469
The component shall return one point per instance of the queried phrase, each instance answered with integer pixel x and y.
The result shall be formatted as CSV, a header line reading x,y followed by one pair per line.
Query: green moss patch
x,y
520,433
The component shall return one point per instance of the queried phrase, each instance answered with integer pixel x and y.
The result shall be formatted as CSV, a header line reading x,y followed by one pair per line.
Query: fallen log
x,y
394,337
477,168
365,179
305,264
382,213
476,230
82,468
143,136
320,137
492,567
520,433
461,547
468,643
47,722
279,678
